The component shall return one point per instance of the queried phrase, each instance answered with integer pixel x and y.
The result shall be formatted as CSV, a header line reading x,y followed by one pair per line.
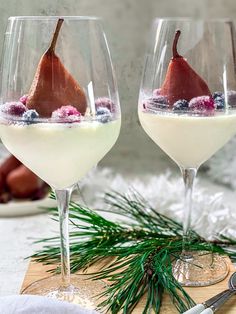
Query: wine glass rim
x,y
194,19
55,17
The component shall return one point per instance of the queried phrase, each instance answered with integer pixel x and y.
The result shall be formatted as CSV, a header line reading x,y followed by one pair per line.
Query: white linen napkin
x,y
29,304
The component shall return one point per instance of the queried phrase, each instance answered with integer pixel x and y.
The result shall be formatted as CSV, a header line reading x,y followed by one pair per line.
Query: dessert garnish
x,y
53,86
181,105
156,92
231,95
13,108
23,99
65,113
219,99
202,104
30,115
181,81
105,102
104,114
156,102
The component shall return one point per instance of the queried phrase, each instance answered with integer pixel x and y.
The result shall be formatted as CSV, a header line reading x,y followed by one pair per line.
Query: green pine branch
x,y
144,243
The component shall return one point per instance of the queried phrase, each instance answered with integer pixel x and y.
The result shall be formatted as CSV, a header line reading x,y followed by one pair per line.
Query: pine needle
x,y
143,248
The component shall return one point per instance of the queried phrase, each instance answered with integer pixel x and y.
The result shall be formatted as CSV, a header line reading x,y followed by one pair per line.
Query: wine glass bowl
x,y
82,50
187,106
59,115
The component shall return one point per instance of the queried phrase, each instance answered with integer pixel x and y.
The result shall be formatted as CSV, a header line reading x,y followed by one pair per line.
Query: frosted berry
x,y
66,113
104,114
105,103
219,99
13,108
23,99
202,104
231,94
156,92
30,115
180,105
218,94
158,102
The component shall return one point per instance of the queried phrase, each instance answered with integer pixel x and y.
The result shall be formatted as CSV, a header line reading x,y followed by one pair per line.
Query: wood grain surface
x,y
37,271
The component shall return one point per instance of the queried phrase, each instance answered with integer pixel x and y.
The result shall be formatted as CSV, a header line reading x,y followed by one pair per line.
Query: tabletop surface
x,y
16,243
37,271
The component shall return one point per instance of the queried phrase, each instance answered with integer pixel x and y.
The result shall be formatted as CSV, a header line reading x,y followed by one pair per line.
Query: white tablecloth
x,y
16,237
38,305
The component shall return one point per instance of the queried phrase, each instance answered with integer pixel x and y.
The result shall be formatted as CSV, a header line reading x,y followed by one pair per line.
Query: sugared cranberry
x,y
154,103
66,113
202,104
13,108
156,92
23,99
180,105
105,102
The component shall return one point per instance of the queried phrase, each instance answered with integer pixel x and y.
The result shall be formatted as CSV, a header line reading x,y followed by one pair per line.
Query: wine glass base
x,y
198,269
82,291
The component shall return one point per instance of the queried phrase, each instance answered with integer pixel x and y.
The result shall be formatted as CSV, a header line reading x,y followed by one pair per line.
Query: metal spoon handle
x,y
212,300
218,303
222,300
197,309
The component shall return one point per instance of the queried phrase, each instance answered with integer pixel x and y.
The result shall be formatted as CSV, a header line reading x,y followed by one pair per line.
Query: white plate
x,y
23,208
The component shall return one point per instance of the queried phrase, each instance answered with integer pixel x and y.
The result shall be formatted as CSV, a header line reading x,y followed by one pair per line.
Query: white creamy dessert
x,y
60,153
189,140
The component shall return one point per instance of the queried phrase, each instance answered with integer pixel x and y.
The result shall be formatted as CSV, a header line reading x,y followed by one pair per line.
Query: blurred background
x,y
126,23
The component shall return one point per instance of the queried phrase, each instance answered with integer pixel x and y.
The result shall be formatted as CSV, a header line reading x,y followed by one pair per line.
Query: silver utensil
x,y
213,304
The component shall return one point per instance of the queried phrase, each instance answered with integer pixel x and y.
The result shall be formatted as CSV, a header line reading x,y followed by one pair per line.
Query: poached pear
x,y
53,86
181,81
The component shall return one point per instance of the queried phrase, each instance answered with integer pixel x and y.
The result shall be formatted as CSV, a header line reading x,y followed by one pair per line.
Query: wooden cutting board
x,y
37,271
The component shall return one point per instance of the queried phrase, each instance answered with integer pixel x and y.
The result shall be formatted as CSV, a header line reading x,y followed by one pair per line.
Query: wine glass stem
x,y
63,199
189,174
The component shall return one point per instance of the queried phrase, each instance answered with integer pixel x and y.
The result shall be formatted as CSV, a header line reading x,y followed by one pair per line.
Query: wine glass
x,y
59,115
186,105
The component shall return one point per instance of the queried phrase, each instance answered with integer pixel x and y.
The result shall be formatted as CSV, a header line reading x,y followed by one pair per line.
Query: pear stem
x,y
174,47
55,36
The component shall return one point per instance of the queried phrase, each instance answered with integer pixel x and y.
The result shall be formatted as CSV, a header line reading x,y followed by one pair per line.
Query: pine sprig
x,y
144,244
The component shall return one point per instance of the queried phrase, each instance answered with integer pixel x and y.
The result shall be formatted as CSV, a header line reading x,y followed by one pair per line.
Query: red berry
x,y
67,112
202,104
23,99
156,103
13,108
105,102
156,92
